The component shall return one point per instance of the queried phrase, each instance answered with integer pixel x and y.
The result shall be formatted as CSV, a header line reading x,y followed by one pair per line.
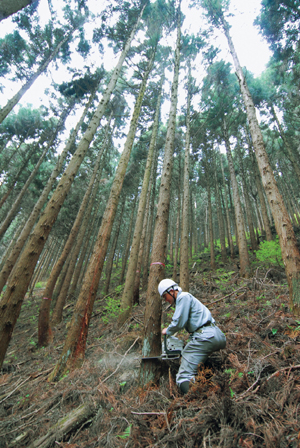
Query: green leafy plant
x,y
122,385
274,331
230,372
119,288
270,252
111,309
126,433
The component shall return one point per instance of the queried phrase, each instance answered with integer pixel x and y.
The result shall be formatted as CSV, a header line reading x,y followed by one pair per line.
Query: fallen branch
x,y
66,424
148,413
105,379
18,387
225,297
282,370
248,390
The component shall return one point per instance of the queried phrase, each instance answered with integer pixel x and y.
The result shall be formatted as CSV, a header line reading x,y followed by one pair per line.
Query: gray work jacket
x,y
189,313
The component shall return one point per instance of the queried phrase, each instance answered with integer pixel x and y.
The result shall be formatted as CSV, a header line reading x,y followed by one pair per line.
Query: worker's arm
x,y
180,316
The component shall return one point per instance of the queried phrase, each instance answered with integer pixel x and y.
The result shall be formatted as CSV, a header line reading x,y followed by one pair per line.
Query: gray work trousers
x,y
203,342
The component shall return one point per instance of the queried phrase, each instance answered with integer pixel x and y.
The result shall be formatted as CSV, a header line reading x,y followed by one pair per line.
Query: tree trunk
x,y
171,240
211,230
240,225
7,268
59,283
152,336
73,420
39,266
174,276
184,241
74,348
20,172
247,200
110,260
44,331
142,255
128,243
284,228
293,157
12,300
287,201
227,213
127,296
220,215
150,224
13,209
78,269
264,213
12,243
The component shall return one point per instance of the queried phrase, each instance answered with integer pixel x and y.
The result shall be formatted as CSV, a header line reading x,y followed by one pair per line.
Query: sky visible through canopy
x,y
252,51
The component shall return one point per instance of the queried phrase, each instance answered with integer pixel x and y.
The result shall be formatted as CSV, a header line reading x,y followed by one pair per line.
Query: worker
x,y
205,336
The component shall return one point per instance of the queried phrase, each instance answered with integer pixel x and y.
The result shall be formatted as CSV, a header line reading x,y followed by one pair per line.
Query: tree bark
x,y
74,419
78,269
110,259
12,184
12,243
284,228
13,209
127,296
12,300
264,213
74,348
240,225
184,241
128,243
211,229
44,332
150,223
247,200
137,278
7,268
293,157
220,215
227,213
149,371
174,276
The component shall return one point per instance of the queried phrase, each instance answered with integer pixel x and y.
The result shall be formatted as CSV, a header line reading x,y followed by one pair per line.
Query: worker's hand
x,y
164,331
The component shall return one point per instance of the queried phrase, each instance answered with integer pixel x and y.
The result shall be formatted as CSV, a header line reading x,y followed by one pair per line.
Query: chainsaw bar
x,y
163,358
171,349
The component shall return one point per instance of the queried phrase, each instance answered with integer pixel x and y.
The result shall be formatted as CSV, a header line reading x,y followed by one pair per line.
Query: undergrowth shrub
x,y
269,251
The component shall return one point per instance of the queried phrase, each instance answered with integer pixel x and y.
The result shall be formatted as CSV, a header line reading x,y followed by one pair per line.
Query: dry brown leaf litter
x,y
245,396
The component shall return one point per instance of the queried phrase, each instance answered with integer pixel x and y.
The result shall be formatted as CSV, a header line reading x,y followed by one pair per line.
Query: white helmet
x,y
165,285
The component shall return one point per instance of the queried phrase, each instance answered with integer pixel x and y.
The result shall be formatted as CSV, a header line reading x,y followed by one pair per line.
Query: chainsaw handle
x,y
168,352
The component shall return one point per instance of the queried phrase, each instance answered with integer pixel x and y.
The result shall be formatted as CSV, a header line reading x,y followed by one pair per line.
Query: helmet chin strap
x,y
174,297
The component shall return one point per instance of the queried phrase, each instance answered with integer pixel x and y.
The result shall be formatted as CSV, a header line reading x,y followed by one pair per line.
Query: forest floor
x,y
247,395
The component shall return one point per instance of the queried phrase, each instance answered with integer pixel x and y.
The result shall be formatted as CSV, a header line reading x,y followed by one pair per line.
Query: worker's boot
x,y
184,386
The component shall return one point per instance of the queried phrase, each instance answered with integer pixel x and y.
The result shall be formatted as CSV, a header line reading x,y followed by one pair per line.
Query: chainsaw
x,y
171,349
